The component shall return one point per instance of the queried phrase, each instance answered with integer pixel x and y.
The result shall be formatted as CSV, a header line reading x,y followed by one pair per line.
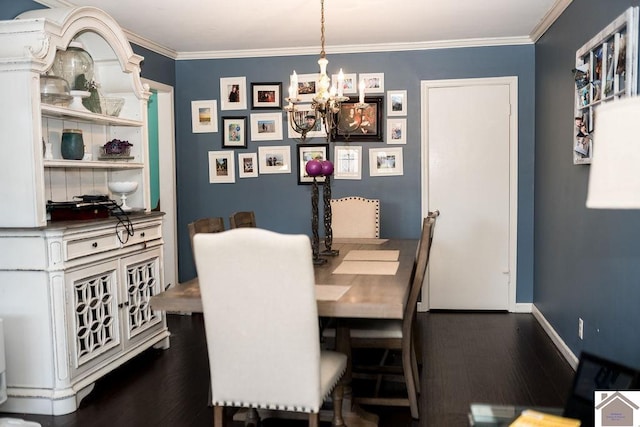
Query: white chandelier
x,y
326,101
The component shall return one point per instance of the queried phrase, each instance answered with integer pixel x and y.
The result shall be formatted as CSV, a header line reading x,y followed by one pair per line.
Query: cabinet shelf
x,y
86,164
86,116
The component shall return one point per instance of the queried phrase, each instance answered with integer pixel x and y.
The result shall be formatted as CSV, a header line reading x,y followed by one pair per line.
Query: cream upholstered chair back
x,y
261,321
355,217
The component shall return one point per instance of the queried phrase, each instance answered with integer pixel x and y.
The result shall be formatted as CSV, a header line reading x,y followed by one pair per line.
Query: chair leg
x,y
218,416
415,369
314,419
409,378
337,395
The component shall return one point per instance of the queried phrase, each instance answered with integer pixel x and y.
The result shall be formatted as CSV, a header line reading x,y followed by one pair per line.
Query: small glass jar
x,y
75,65
72,145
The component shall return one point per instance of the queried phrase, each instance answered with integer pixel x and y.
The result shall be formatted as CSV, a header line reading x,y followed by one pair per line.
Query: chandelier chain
x,y
322,53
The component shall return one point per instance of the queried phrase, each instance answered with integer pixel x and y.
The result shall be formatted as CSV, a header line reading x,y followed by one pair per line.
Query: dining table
x,y
364,278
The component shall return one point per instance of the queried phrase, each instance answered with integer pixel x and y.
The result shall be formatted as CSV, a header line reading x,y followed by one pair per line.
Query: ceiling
x,y
215,28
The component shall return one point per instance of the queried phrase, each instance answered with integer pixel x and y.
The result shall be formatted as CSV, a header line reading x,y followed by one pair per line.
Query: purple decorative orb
x,y
314,168
327,168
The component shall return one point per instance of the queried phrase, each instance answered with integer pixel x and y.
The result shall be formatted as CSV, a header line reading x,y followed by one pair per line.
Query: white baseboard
x,y
560,344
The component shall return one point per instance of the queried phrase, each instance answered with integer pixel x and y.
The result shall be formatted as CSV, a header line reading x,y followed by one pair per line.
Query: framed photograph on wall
x,y
396,103
396,131
355,124
347,162
222,167
373,82
349,84
386,161
233,93
303,114
308,152
204,116
307,86
234,132
266,126
247,165
266,95
274,159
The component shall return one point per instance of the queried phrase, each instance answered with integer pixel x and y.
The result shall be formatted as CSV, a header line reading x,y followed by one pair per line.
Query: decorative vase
x,y
72,146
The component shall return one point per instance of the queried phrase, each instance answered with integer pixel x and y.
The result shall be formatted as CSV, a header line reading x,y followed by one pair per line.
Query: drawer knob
x,y
142,234
94,244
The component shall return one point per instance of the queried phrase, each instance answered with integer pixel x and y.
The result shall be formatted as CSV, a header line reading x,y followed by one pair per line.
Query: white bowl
x,y
123,187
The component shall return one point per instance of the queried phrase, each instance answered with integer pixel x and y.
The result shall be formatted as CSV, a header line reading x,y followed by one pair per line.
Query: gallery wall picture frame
x,y
299,115
274,159
606,70
222,168
349,84
307,152
373,82
354,124
233,93
347,162
386,161
247,165
307,86
234,132
396,103
396,131
204,116
266,126
266,95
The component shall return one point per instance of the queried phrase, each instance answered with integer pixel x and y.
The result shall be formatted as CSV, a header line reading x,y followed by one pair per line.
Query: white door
x,y
167,175
469,145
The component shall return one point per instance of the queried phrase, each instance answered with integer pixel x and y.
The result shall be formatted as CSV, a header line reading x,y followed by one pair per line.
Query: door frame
x,y
167,173
512,81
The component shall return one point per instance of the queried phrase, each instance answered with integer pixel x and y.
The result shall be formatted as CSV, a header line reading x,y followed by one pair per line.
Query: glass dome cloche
x,y
75,65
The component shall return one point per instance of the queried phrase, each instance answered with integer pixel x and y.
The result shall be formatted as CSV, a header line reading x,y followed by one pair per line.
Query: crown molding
x,y
547,21
382,47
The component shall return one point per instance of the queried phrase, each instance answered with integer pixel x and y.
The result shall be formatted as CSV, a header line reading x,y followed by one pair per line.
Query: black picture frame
x,y
350,125
266,96
234,132
304,150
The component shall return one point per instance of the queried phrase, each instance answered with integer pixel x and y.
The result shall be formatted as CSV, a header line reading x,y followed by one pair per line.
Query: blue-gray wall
x,y
587,262
281,204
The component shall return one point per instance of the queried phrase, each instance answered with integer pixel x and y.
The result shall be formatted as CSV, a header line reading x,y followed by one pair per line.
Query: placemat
x,y
330,292
364,255
388,268
359,240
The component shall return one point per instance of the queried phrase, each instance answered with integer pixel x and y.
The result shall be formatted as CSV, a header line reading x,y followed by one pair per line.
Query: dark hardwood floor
x,y
468,357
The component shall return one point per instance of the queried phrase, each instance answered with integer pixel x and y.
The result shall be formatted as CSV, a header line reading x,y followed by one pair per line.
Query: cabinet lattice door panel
x,y
142,281
93,293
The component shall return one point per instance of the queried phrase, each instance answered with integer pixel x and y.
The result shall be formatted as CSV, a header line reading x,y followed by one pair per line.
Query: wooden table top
x,y
369,295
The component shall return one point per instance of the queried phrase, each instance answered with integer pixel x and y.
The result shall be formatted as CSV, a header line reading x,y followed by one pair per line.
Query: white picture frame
x,y
373,82
386,161
248,165
307,86
396,131
318,130
222,167
274,159
204,116
396,103
229,98
266,126
347,162
349,85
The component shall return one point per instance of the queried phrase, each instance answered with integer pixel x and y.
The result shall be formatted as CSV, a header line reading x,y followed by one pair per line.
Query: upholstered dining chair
x,y
355,217
242,219
262,332
397,334
205,225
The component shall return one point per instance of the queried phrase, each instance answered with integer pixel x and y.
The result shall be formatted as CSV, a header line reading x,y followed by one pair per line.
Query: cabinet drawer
x,y
143,234
83,247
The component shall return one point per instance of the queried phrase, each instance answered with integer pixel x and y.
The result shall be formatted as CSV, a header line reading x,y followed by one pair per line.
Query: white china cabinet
x,y
74,295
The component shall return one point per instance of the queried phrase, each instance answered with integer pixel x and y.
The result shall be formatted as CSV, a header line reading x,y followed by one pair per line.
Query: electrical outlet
x,y
580,327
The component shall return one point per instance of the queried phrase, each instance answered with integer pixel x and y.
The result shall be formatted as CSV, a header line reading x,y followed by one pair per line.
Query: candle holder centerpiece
x,y
314,169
